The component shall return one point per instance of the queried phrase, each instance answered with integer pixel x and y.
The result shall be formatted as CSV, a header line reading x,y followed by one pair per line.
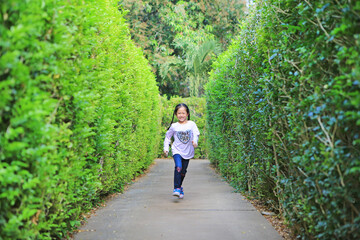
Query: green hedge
x,y
80,113
283,107
197,114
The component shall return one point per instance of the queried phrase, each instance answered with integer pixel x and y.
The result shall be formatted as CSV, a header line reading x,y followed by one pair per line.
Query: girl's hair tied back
x,y
176,109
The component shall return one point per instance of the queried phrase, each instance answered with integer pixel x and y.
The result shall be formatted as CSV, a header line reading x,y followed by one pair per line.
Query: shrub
x,y
79,113
283,113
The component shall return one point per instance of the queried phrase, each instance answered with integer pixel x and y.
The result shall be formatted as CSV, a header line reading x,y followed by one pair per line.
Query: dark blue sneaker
x,y
181,193
177,192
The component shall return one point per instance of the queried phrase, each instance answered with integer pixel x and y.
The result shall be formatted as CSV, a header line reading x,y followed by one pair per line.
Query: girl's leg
x,y
177,171
185,163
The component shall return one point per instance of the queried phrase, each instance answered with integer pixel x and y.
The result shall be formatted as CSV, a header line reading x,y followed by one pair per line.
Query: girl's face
x,y
182,115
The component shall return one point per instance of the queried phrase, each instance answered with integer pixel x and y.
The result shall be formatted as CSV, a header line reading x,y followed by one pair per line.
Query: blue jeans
x,y
180,170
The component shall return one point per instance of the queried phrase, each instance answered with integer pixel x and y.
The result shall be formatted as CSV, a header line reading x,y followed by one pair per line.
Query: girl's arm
x,y
167,140
196,134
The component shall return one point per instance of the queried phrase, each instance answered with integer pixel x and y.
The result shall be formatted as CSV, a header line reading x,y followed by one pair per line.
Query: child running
x,y
186,134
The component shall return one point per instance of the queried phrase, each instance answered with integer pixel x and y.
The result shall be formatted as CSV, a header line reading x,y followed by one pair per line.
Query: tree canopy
x,y
179,38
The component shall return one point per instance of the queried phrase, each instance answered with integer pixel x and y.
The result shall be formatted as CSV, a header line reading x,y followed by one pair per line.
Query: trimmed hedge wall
x,y
283,113
197,114
80,113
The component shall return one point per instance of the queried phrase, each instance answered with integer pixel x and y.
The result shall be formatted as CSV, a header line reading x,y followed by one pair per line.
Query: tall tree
x,y
171,32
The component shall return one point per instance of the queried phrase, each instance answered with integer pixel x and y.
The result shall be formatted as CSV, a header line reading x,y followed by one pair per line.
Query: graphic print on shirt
x,y
184,136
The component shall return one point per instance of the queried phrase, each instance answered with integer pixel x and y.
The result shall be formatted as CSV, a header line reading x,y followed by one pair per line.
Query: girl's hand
x,y
166,153
194,144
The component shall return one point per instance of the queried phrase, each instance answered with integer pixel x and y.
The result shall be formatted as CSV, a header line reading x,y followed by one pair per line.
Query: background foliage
x,y
197,114
283,118
179,38
79,113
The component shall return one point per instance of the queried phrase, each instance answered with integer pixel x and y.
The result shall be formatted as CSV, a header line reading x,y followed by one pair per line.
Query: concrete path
x,y
210,210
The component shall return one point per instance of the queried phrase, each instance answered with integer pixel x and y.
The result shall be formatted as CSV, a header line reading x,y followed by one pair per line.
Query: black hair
x,y
176,109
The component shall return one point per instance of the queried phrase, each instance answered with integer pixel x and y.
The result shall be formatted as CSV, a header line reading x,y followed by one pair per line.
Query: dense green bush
x,y
197,114
80,113
283,113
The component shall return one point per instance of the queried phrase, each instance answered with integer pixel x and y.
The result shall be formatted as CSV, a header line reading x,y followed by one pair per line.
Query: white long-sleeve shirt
x,y
183,134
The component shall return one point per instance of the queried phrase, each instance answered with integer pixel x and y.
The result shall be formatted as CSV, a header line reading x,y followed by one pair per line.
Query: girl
x,y
186,134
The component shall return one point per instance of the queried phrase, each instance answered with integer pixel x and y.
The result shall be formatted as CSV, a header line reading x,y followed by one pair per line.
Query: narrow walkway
x,y
210,210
